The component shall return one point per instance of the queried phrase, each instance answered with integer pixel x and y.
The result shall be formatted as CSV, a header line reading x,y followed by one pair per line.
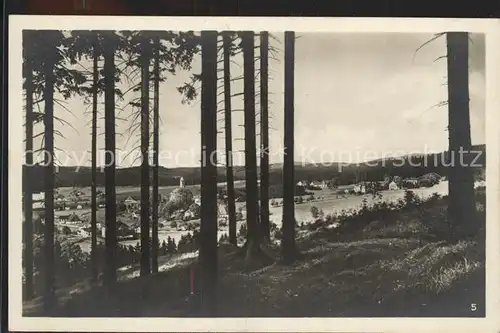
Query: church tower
x,y
181,182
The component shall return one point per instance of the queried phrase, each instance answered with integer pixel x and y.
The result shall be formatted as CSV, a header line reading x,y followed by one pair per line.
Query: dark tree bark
x,y
93,217
145,60
48,94
461,181
264,134
229,139
110,165
250,143
288,240
208,228
156,149
28,192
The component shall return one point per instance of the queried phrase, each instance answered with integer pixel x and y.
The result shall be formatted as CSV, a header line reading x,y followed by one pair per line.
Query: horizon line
x,y
329,163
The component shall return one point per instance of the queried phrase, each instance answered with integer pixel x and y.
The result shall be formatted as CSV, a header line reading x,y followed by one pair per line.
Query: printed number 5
x,y
473,307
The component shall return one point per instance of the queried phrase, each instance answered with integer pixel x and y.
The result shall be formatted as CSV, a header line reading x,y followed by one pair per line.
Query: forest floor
x,y
388,266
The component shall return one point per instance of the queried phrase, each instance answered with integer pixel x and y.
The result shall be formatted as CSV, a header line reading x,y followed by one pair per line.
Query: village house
x,y
123,230
37,197
188,215
38,201
413,181
37,206
84,232
222,213
359,189
393,186
197,200
131,204
74,219
71,205
63,218
383,185
79,193
316,185
59,205
480,183
410,183
60,198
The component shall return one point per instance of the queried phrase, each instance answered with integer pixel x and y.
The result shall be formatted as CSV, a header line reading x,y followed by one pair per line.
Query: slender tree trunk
x,y
208,228
28,192
156,149
288,240
93,217
49,295
110,165
145,263
461,181
231,205
264,134
250,142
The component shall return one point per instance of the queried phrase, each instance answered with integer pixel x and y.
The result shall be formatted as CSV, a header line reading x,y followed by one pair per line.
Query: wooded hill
x,y
344,173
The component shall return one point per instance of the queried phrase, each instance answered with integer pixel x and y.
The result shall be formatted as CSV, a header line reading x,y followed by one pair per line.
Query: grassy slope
x,y
393,267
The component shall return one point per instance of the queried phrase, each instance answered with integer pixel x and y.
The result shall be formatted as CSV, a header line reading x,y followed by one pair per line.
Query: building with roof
x,y
393,186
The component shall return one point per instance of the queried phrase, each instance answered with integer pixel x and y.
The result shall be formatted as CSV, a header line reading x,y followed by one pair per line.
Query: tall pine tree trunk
x,y
110,165
264,134
208,228
28,192
48,94
231,204
93,216
288,240
461,181
252,244
145,264
156,149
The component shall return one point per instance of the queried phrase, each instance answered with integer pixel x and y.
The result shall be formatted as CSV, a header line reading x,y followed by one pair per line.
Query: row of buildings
x,y
75,200
390,183
318,185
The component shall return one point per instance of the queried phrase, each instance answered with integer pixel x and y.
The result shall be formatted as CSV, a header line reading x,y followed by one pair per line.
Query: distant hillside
x,y
343,173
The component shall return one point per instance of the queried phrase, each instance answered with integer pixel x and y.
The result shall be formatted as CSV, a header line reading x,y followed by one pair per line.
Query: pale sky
x,y
357,97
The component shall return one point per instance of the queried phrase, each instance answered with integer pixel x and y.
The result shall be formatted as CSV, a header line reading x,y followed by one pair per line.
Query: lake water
x,y
331,204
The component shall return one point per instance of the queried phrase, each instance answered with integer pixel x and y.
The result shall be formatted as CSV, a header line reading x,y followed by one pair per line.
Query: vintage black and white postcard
x,y
253,174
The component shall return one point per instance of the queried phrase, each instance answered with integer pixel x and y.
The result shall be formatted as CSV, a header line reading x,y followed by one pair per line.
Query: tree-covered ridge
x,y
374,170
